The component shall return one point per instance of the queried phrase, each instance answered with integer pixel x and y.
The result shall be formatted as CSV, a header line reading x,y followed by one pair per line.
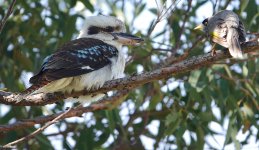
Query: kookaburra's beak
x,y
126,39
199,27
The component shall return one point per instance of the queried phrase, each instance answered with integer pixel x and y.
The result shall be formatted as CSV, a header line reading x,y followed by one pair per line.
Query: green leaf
x,y
110,116
243,5
88,5
153,10
194,78
245,71
224,88
172,122
156,96
22,59
200,137
171,118
140,8
228,71
250,88
206,116
252,12
85,140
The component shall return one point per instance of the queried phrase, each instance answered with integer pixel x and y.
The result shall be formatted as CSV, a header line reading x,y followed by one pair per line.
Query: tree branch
x,y
39,130
107,103
9,12
132,81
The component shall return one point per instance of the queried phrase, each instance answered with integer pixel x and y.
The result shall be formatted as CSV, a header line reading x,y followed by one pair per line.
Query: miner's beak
x,y
199,27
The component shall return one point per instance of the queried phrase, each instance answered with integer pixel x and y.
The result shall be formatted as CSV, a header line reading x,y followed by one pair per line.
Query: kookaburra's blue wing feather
x,y
75,58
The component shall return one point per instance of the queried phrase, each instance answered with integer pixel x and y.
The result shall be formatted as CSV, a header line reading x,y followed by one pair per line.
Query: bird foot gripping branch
x,y
87,62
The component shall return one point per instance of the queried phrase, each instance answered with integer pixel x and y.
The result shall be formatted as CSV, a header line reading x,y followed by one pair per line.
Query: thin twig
x,y
183,25
161,15
173,4
9,12
36,132
175,59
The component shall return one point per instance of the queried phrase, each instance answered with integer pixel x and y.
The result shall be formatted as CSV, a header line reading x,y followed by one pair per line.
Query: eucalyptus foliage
x,y
166,112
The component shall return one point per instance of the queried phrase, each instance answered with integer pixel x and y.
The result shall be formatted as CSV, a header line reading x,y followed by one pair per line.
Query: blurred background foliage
x,y
209,108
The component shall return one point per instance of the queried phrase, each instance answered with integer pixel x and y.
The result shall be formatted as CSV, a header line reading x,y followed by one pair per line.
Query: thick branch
x,y
132,81
108,103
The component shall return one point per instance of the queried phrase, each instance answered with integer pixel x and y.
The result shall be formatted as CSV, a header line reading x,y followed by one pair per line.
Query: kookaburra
x,y
85,63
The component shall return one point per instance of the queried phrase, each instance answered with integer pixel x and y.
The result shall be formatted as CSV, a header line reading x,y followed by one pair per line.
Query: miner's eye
x,y
205,22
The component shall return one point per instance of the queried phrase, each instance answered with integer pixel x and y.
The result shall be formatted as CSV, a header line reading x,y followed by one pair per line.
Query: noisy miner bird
x,y
87,62
226,29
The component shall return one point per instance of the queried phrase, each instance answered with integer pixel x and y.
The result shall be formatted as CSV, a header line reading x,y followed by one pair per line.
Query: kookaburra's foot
x,y
93,95
105,93
72,93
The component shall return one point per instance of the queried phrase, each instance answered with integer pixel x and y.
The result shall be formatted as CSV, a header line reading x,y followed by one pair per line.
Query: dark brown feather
x,y
74,58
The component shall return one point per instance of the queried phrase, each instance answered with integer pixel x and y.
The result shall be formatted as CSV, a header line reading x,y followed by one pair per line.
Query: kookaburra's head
x,y
108,29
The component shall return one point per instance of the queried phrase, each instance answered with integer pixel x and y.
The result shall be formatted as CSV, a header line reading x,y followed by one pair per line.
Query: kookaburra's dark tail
x,y
30,90
37,82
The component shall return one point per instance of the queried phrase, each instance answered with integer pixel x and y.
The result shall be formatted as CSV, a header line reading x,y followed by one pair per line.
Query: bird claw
x,y
213,52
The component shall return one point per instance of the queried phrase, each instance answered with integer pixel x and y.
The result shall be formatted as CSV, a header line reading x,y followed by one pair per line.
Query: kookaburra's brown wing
x,y
74,58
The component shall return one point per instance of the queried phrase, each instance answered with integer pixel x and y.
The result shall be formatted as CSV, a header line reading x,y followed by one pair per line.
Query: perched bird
x,y
226,29
85,63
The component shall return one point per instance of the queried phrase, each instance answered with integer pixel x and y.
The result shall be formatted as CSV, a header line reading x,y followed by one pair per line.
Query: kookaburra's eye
x,y
117,28
93,30
109,29
205,22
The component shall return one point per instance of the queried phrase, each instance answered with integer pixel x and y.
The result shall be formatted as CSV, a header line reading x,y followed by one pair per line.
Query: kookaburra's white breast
x,y
97,78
